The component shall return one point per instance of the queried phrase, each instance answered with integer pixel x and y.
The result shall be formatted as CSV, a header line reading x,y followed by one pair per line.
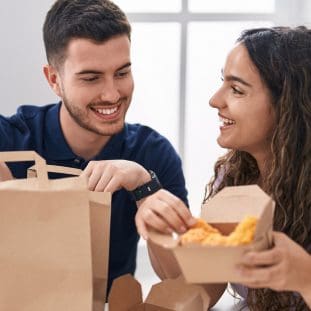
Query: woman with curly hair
x,y
264,106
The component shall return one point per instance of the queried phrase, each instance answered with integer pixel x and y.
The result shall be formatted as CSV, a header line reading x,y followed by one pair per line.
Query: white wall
x,y
22,54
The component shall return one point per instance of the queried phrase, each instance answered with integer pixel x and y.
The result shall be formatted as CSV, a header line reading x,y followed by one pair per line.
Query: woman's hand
x,y
285,267
112,175
163,212
5,173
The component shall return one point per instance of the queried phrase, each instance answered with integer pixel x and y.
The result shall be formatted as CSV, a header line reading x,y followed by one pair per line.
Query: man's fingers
x,y
114,184
87,172
95,178
5,173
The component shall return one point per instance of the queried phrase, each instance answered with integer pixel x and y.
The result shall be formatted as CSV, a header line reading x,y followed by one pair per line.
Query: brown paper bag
x,y
100,213
45,241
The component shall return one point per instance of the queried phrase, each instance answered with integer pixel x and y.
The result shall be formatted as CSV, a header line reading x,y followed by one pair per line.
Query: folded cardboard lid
x,y
148,307
125,294
232,204
177,295
168,295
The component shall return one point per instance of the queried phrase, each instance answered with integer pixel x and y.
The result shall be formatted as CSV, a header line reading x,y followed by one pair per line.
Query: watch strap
x,y
148,188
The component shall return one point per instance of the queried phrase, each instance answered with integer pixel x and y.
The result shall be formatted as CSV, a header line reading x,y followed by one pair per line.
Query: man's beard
x,y
80,117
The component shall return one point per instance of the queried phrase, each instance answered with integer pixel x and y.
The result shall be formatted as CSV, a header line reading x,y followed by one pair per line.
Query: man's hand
x,y
112,175
285,267
163,212
5,173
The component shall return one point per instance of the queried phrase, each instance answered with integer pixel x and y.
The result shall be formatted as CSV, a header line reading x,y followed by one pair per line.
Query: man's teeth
x,y
107,111
226,121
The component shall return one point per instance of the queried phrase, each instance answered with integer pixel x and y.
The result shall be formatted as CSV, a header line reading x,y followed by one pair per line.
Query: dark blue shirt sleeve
x,y
162,158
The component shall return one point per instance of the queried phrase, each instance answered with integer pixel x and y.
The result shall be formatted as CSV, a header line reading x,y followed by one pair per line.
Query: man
x,y
88,50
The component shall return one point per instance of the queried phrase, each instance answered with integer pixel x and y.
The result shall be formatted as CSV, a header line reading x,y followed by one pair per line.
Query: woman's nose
x,y
217,100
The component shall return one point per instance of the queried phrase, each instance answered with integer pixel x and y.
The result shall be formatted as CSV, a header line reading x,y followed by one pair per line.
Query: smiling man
x,y
89,68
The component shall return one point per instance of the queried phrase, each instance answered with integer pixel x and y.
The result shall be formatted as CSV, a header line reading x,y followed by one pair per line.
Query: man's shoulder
x,y
29,120
140,132
32,111
144,142
30,116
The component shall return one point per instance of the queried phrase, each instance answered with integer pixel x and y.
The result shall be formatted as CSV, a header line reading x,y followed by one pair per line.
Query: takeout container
x,y
168,295
217,264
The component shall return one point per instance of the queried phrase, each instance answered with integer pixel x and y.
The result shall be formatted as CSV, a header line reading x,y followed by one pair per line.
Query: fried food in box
x,y
205,234
198,232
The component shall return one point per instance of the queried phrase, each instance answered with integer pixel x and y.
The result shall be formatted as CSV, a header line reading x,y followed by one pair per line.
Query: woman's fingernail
x,y
192,221
169,230
182,229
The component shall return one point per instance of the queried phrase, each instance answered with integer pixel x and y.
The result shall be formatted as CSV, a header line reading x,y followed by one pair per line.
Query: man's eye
x,y
122,74
90,79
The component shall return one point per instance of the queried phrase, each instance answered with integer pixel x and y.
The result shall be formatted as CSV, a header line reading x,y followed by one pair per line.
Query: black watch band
x,y
148,188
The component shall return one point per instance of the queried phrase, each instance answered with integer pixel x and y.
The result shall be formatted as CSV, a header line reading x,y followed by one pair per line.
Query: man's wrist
x,y
147,188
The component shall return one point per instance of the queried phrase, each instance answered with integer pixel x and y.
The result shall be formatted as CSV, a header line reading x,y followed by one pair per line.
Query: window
x,y
155,50
178,50
237,6
149,5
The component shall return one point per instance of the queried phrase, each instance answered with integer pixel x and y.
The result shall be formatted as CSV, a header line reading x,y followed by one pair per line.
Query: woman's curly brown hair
x,y
283,58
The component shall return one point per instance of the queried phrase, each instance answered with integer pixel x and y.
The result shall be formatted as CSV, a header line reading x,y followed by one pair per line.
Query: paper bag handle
x,y
56,169
98,197
22,156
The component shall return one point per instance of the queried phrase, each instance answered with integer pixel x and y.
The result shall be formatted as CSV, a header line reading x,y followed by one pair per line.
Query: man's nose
x,y
110,92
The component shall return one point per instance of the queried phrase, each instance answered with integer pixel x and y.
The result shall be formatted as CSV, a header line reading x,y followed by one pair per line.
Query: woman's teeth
x,y
226,121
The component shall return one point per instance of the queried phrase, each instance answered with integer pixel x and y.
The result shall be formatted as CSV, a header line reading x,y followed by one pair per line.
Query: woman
x,y
264,106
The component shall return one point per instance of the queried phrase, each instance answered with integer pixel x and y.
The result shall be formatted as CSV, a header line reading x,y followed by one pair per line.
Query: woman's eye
x,y
236,91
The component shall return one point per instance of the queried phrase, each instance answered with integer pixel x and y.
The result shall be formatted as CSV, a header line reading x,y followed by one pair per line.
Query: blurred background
x,y
178,50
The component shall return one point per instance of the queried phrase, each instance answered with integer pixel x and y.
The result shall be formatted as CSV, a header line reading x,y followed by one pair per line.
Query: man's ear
x,y
52,76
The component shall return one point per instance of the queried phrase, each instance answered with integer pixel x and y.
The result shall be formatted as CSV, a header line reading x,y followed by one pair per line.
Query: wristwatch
x,y
148,188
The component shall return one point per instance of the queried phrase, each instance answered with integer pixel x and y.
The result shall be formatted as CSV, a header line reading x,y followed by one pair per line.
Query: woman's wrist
x,y
307,297
306,289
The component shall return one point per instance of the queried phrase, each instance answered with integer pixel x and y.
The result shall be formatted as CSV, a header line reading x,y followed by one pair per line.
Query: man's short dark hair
x,y
97,20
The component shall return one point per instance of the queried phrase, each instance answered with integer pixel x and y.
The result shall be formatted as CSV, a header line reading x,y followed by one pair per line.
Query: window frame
x,y
286,11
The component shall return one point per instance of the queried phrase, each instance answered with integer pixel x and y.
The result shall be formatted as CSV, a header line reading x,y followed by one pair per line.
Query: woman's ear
x,y
5,173
52,76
